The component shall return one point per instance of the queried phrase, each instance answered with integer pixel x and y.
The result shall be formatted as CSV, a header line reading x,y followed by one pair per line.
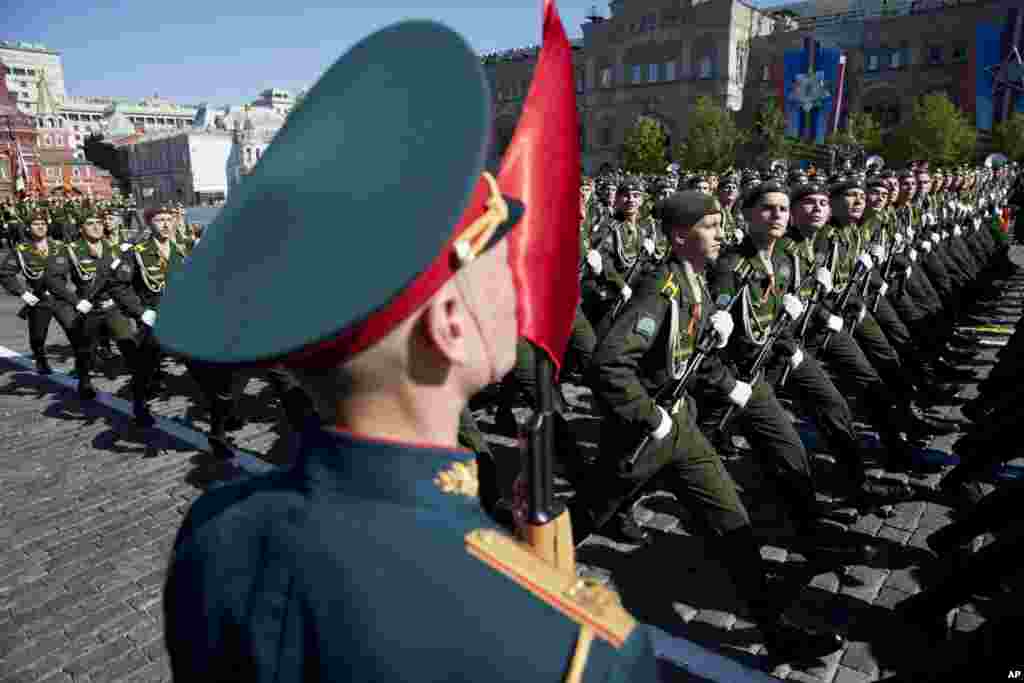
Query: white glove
x,y
835,323
626,292
936,238
877,252
926,245
897,238
911,232
794,307
884,288
30,298
722,323
912,253
957,230
910,269
740,394
594,260
977,222
824,278
866,261
664,426
796,359
862,313
149,317
83,307
649,246
951,205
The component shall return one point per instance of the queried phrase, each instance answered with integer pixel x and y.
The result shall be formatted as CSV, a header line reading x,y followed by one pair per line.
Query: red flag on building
x,y
38,184
542,168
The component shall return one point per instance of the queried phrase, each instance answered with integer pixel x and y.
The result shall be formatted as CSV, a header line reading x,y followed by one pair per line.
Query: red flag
x,y
542,168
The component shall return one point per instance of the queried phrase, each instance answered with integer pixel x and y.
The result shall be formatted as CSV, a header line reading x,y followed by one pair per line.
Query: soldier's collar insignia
x,y
670,288
459,478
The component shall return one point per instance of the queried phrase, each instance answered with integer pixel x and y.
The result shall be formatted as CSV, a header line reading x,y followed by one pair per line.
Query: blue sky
x,y
227,51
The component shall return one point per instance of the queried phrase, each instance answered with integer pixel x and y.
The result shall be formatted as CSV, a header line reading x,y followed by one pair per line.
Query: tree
x,y
861,129
770,133
937,132
1008,137
644,148
712,138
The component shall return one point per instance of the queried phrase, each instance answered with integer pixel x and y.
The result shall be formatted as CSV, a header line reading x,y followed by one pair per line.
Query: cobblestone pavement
x,y
89,506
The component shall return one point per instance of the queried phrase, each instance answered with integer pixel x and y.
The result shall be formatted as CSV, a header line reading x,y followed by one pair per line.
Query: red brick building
x,y
37,154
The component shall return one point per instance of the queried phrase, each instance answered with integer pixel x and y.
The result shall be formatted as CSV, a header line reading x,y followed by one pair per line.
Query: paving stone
x,y
867,524
906,516
845,674
967,620
685,612
890,597
122,667
826,582
99,657
868,582
774,554
716,618
824,670
102,618
903,580
894,534
858,656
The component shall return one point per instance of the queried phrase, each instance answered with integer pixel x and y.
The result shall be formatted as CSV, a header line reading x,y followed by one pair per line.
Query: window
x,y
648,23
652,73
872,62
670,70
75,172
579,82
766,72
49,140
606,136
638,74
3,168
895,59
959,53
50,173
935,54
704,70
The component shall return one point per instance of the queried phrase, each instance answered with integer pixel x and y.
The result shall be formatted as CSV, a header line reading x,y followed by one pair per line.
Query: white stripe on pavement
x,y
243,460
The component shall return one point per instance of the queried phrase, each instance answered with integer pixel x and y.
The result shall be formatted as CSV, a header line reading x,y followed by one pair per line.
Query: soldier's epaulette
x,y
669,288
584,601
140,247
22,247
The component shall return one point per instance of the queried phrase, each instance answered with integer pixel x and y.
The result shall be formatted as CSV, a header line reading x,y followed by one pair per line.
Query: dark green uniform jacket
x,y
351,566
149,276
635,356
24,268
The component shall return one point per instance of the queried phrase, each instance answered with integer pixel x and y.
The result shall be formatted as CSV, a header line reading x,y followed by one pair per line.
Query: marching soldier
x,y
267,572
648,347
732,219
769,300
100,274
150,262
38,261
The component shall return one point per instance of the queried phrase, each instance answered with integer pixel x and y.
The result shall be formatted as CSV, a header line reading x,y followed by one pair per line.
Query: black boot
x,y
143,418
42,363
83,366
741,556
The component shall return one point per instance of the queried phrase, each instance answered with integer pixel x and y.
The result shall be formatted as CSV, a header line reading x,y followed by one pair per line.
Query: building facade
x,y
187,166
654,58
89,115
281,101
250,136
25,63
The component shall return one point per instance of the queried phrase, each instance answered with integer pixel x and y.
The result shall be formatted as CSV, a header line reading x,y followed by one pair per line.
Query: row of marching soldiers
x,y
701,307
102,288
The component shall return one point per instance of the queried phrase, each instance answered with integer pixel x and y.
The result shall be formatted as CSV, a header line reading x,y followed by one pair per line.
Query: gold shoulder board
x,y
585,602
670,289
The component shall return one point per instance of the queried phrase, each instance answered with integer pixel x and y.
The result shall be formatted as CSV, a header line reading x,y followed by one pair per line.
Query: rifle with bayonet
x,y
844,297
809,310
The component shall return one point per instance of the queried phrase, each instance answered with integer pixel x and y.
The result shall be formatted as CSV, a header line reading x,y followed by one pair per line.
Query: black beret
x,y
631,183
754,194
684,208
876,181
798,192
840,186
906,173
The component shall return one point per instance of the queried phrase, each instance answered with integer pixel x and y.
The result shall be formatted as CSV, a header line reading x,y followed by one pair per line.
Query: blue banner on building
x,y
810,78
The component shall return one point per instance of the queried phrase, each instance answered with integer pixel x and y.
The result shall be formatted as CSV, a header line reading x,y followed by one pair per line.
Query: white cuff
x,y
835,323
740,394
883,289
796,359
664,427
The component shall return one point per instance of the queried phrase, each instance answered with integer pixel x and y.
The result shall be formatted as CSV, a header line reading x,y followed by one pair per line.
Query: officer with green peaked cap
x,y
368,559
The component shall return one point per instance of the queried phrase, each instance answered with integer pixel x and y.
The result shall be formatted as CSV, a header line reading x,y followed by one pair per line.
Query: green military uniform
x,y
100,278
41,271
149,279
